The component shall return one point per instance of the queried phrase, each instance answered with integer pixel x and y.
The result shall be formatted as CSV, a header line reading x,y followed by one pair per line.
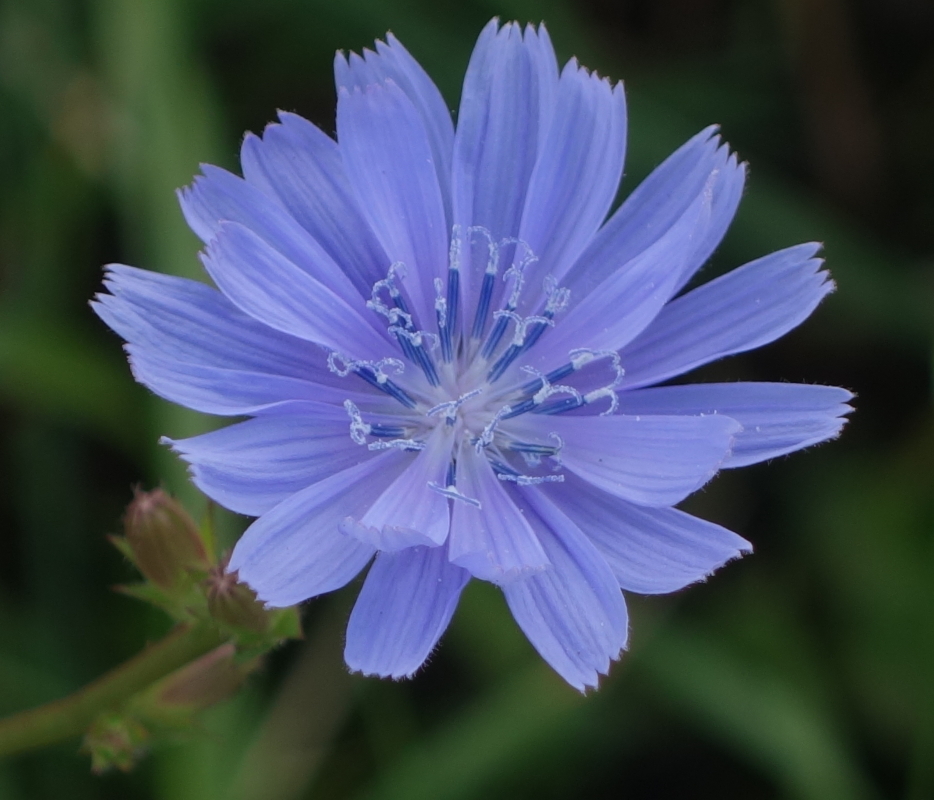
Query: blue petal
x,y
652,461
388,160
253,466
295,551
392,61
268,287
576,176
493,540
301,166
744,309
777,418
727,190
409,513
186,320
653,208
546,67
631,297
405,605
506,102
219,196
650,550
190,344
228,392
573,614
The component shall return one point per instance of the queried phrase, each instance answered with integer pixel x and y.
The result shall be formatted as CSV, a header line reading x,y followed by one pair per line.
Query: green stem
x,y
71,716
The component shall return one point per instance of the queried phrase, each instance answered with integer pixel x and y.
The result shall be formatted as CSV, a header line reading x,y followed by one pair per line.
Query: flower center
x,y
466,385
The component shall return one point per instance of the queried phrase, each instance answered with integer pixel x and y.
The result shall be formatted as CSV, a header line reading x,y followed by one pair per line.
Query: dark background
x,y
803,671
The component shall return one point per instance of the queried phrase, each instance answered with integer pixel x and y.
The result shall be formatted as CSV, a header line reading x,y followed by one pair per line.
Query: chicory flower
x,y
449,354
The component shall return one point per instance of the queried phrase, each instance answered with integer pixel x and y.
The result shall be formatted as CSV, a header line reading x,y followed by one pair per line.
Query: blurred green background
x,y
803,671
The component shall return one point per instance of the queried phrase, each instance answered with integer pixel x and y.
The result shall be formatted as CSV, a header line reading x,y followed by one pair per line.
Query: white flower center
x,y
466,380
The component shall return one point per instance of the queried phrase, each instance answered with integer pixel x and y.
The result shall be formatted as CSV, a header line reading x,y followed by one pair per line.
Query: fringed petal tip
x,y
404,607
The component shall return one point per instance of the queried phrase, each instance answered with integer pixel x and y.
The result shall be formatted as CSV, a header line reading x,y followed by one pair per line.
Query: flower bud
x,y
163,539
115,741
204,682
171,705
234,603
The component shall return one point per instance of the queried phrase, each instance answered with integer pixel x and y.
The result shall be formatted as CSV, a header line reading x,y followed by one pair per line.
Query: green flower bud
x,y
166,709
234,603
163,540
115,741
206,681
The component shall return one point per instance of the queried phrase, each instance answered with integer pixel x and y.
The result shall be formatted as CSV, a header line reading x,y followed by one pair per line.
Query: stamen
x,y
401,322
502,320
483,304
342,366
450,407
485,439
543,389
441,305
417,351
583,356
579,359
415,338
384,384
372,373
554,375
547,388
523,324
399,300
451,493
387,431
558,297
358,428
533,449
400,312
489,279
397,444
446,307
521,408
533,452
507,473
558,447
572,402
531,480
606,391
512,352
561,406
518,341
516,272
558,300
454,294
339,365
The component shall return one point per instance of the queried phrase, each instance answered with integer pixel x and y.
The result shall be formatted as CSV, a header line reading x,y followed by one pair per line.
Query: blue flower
x,y
449,354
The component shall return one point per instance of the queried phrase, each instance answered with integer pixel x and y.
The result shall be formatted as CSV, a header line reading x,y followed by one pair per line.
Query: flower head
x,y
163,540
449,353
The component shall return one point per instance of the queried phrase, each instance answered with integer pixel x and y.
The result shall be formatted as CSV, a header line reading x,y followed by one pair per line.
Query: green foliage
x,y
803,671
